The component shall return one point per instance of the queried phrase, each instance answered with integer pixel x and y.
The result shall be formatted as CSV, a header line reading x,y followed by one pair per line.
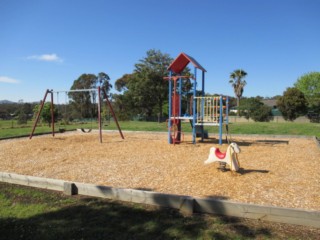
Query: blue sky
x,y
47,44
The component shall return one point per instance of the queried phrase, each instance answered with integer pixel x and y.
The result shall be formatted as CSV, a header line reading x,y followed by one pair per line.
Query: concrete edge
x,y
38,182
269,213
186,204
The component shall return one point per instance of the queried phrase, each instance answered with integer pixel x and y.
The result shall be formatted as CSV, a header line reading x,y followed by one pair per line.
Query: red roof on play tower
x,y
182,61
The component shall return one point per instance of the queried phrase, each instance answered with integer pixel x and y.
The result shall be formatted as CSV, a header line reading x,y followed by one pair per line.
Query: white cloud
x,y
5,79
46,57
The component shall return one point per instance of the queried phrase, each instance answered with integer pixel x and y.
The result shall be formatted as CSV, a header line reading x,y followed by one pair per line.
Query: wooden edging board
x,y
186,204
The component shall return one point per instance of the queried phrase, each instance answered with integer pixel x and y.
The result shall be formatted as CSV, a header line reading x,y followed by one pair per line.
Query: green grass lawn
x,y
10,129
28,213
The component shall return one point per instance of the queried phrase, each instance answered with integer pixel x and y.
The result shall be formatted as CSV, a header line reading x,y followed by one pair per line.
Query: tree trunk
x,y
238,103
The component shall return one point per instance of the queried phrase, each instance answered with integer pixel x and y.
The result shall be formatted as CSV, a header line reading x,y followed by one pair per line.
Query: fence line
x,y
280,119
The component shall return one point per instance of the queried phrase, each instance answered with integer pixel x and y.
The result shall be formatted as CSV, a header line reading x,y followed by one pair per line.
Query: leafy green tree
x,y
83,104
23,113
103,80
145,87
22,117
238,83
121,83
3,114
46,112
292,104
123,106
253,108
309,84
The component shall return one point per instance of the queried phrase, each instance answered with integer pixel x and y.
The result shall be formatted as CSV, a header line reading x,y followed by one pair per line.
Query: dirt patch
x,y
278,172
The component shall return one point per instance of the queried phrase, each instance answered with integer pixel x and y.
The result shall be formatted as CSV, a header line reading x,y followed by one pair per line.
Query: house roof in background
x,y
270,102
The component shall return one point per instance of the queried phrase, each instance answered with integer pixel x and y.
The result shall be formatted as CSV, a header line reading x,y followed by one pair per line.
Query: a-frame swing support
x,y
80,90
40,110
112,112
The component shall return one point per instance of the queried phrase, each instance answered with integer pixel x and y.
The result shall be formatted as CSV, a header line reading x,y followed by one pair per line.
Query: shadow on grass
x,y
241,229
78,217
94,218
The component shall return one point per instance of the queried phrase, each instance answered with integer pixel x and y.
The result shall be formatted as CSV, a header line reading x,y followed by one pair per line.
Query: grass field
x,y
27,213
10,129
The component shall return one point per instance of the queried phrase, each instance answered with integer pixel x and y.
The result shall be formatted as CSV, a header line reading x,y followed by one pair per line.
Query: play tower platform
x,y
187,101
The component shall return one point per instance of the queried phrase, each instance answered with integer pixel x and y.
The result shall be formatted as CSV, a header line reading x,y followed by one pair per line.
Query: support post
x,y
52,114
202,93
170,107
220,120
38,115
227,110
194,107
99,114
113,114
180,96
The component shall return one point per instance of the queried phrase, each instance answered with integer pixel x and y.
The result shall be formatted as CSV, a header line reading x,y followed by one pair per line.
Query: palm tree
x,y
238,83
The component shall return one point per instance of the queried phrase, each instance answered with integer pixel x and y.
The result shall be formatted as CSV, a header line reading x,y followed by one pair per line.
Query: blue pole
x,y
227,110
170,110
194,107
220,120
202,93
203,84
180,97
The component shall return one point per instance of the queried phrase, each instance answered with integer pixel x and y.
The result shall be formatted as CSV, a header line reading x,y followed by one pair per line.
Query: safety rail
x,y
210,109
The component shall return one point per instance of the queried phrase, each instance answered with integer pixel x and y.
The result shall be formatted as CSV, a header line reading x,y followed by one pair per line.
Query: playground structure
x,y
97,90
229,157
203,110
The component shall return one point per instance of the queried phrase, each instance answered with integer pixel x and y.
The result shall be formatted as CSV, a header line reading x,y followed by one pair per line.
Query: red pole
x,y
38,115
113,114
99,113
52,114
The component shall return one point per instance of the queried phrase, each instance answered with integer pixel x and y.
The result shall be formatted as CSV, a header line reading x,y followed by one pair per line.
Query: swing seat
x,y
86,131
220,154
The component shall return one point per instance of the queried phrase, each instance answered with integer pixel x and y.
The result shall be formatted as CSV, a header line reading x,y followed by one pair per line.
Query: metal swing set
x,y
98,90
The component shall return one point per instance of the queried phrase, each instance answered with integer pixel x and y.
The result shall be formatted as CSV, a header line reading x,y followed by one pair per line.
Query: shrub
x,y
292,104
255,109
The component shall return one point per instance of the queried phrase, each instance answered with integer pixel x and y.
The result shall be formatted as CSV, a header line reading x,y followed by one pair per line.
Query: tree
x,y
104,81
309,84
24,111
46,112
22,117
145,87
237,81
292,104
255,109
121,83
124,106
83,103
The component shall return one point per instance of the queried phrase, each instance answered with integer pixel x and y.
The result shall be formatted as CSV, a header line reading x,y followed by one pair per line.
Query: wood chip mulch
x,y
278,172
